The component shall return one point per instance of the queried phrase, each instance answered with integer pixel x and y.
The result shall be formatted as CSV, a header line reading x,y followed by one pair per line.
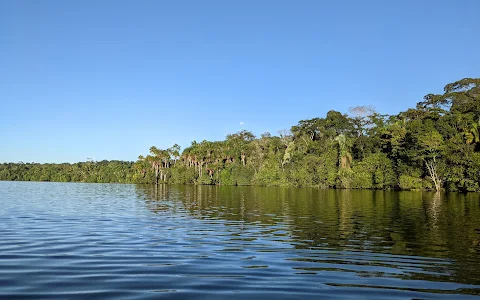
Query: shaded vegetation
x,y
90,171
435,145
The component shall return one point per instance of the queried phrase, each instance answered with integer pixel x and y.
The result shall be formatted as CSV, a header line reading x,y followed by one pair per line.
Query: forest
x,y
434,146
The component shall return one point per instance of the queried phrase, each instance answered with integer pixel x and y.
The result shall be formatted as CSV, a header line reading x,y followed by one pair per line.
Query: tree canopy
x,y
435,146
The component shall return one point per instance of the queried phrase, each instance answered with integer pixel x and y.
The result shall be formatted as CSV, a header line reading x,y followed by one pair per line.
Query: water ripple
x,y
77,241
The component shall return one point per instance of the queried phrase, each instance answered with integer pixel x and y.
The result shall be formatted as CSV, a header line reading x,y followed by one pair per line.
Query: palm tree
x,y
472,134
174,152
344,146
159,161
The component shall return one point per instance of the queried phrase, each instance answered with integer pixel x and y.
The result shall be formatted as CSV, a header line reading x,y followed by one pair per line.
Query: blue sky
x,y
109,79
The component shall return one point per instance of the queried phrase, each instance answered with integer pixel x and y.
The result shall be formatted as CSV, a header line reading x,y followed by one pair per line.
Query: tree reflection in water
x,y
396,223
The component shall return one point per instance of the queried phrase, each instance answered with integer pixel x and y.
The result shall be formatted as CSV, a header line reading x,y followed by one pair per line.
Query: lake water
x,y
85,241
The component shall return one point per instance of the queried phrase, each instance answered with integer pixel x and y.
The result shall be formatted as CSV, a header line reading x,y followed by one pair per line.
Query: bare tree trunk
x,y
432,170
156,173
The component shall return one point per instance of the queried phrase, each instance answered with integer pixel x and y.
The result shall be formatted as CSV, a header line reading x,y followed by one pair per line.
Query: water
x,y
79,241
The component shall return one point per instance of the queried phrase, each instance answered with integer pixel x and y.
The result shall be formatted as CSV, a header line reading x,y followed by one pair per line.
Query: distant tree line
x,y
102,171
434,146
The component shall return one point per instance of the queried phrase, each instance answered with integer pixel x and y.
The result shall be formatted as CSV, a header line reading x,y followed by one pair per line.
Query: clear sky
x,y
108,79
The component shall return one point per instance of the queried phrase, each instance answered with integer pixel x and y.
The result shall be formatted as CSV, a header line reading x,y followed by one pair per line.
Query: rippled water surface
x,y
79,241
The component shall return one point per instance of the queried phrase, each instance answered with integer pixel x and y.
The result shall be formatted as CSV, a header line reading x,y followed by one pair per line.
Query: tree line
x,y
434,146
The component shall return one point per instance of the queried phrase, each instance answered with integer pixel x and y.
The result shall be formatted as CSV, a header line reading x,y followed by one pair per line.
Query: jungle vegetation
x,y
434,146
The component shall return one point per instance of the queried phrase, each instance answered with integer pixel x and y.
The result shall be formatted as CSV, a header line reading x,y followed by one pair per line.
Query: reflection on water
x,y
425,224
66,240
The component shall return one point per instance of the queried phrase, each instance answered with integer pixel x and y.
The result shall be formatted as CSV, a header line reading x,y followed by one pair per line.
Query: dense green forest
x,y
434,146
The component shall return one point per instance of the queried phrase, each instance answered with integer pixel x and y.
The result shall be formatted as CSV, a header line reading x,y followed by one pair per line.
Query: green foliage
x,y
435,145
182,175
102,171
204,179
344,178
375,171
410,182
226,177
243,175
269,174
